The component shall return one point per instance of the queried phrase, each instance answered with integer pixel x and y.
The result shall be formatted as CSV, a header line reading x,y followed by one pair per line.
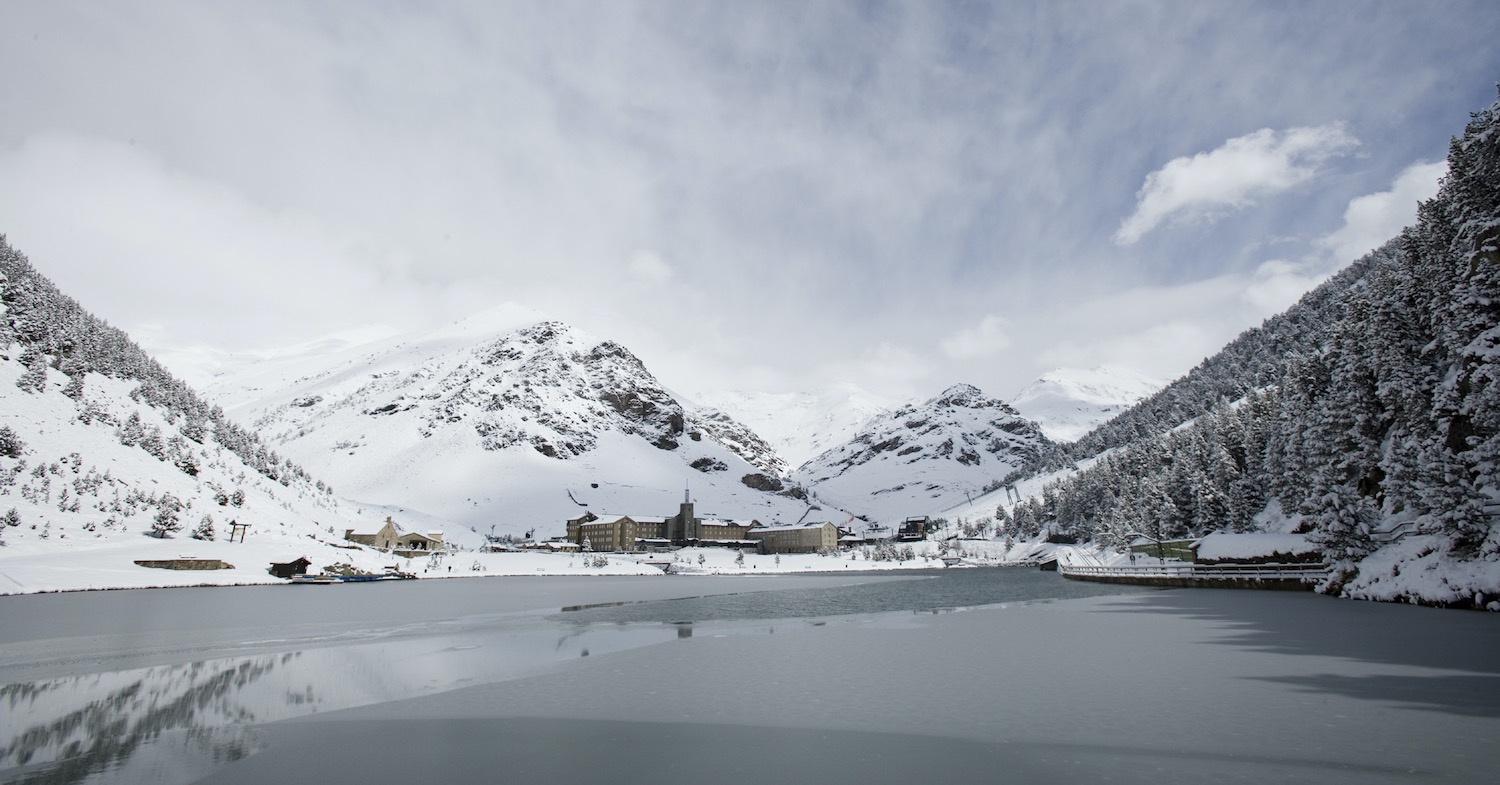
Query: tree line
x,y
1372,402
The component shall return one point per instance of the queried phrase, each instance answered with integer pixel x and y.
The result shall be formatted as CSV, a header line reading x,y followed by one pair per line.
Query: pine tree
x,y
11,445
166,521
34,380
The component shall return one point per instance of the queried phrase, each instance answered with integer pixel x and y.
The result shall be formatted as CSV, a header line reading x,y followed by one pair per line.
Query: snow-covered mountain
x,y
518,430
1069,402
800,426
923,458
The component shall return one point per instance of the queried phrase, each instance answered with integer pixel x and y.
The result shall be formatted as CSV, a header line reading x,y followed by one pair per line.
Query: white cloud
x,y
1369,221
887,366
170,251
799,186
1372,219
648,267
982,340
1165,350
1234,175
1279,283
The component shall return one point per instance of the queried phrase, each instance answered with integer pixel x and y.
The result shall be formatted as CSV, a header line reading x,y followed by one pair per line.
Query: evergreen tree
x,y
11,445
166,521
34,380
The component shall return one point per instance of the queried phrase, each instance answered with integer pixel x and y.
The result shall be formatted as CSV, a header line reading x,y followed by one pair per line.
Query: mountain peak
x,y
499,426
965,396
1069,402
926,457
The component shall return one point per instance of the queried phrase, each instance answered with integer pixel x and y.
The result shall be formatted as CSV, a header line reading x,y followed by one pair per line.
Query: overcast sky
x,y
770,196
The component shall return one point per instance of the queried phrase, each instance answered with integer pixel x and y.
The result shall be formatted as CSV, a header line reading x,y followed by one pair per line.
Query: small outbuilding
x,y
288,569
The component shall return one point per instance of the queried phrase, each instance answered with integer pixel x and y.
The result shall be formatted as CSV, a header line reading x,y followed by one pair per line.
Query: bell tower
x,y
687,522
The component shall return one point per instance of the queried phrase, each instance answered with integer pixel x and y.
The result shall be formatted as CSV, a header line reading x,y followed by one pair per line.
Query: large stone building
x,y
797,538
634,532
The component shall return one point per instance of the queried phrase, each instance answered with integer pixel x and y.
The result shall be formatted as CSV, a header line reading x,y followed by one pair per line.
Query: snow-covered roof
x,y
1250,546
612,517
793,527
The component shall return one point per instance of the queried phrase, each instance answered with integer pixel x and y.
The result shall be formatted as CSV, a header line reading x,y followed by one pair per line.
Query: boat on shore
x,y
326,578
313,579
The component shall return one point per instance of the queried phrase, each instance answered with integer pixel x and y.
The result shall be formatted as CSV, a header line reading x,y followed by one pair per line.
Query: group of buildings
x,y
595,532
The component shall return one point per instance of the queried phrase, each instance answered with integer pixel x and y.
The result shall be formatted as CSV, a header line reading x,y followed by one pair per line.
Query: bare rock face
x,y
761,482
745,443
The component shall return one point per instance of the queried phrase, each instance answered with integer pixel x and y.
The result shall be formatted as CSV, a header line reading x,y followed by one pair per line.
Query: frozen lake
x,y
961,675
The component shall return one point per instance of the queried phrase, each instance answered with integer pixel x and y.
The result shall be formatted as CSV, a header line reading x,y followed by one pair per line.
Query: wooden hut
x,y
288,569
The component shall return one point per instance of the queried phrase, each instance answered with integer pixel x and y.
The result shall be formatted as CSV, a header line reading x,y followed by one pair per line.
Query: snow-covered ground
x,y
30,567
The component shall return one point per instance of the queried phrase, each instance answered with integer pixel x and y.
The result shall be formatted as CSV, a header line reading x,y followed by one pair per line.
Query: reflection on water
x,y
590,606
934,591
178,723
72,730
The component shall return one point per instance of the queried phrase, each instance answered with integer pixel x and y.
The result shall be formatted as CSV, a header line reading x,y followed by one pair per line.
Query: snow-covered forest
x,y
1367,411
105,458
55,334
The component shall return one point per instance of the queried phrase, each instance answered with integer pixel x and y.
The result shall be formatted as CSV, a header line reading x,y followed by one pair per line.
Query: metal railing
x,y
1307,572
1394,533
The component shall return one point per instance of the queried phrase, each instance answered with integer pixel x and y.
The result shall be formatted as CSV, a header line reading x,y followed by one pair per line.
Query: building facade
x,y
627,532
800,538
391,537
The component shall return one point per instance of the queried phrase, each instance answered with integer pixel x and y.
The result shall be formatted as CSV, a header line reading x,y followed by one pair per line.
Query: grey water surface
x,y
990,675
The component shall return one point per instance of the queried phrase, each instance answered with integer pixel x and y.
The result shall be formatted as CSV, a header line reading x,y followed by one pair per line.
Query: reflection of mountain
x,y
178,723
101,736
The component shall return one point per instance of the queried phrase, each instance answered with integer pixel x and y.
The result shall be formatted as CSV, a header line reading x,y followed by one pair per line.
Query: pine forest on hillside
x,y
106,441
55,333
1370,405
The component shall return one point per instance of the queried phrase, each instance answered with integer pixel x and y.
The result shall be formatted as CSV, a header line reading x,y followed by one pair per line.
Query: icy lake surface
x,y
980,675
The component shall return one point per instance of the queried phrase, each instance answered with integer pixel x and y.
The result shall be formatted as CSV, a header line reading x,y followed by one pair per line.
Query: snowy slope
x,y
85,502
924,458
800,426
1069,402
513,431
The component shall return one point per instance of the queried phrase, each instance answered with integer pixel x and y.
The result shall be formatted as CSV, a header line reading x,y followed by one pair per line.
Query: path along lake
x,y
976,675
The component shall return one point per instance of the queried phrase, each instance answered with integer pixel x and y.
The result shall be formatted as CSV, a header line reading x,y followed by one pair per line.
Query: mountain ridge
x,y
925,457
526,426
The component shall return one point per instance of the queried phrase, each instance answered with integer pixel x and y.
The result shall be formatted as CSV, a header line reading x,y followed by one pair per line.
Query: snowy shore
x,y
30,567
